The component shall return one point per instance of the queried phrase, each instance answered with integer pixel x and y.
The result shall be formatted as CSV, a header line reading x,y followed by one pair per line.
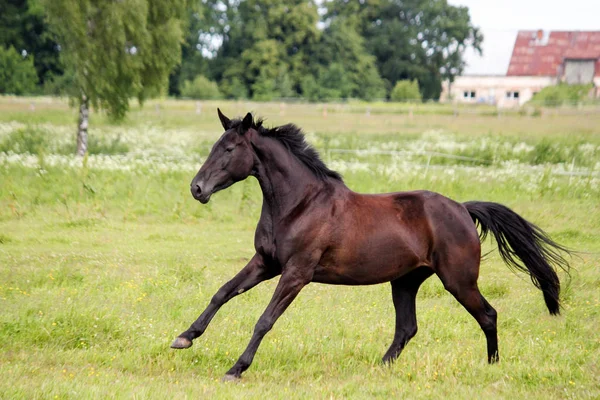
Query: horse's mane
x,y
293,139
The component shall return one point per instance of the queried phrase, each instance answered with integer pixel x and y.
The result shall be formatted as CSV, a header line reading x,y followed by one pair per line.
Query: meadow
x,y
105,259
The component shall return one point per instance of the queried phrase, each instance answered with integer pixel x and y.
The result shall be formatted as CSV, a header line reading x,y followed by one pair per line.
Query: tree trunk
x,y
82,127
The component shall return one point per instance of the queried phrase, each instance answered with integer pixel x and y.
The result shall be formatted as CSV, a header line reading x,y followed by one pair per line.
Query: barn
x,y
539,59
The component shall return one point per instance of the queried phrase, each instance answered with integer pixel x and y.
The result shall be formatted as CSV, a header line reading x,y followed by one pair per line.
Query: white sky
x,y
500,21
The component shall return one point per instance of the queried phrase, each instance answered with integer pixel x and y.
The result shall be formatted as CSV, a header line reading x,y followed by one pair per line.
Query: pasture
x,y
103,261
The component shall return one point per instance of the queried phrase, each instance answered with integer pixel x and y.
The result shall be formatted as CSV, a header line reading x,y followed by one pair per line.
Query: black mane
x,y
293,139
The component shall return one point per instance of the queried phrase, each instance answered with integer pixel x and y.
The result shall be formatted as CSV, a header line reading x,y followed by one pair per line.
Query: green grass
x,y
103,264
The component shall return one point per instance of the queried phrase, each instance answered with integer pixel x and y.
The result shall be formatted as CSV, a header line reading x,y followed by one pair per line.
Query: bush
x,y
406,91
331,83
201,88
104,145
310,88
26,140
59,85
371,87
264,88
284,84
234,88
17,74
558,95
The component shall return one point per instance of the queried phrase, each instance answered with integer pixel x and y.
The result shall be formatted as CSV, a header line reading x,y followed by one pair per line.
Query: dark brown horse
x,y
314,229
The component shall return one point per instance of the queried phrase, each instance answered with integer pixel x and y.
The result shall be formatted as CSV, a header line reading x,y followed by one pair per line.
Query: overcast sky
x,y
500,21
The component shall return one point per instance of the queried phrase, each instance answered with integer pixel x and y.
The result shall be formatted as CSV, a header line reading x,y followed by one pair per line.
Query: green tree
x,y
262,60
284,84
310,88
332,82
116,50
344,61
23,27
264,37
406,91
17,73
335,82
234,88
201,20
264,89
413,39
200,88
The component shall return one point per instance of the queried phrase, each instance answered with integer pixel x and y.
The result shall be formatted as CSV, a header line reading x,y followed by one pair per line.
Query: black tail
x,y
521,242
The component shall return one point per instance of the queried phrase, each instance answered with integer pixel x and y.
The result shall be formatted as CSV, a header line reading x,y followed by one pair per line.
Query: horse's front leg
x,y
251,275
291,282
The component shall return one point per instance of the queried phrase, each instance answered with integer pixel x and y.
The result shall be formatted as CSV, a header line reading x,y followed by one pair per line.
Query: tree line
x,y
255,49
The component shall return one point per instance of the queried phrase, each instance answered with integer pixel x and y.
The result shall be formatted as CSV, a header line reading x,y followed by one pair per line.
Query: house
x,y
500,90
539,59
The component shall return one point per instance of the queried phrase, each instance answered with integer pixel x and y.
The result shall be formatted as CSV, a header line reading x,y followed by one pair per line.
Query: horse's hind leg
x,y
461,281
404,293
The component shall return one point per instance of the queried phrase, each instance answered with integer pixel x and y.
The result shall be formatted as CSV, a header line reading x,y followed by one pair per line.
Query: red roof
x,y
541,54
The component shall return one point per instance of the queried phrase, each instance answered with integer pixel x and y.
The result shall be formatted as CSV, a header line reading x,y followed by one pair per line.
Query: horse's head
x,y
230,160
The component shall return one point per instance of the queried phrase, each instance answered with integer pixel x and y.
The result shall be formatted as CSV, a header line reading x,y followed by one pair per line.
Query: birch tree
x,y
116,50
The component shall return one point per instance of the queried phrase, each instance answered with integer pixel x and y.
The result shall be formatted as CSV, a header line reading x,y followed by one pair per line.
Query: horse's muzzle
x,y
201,195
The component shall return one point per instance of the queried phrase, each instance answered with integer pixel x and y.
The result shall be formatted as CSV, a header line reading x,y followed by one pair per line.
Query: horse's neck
x,y
288,186
283,179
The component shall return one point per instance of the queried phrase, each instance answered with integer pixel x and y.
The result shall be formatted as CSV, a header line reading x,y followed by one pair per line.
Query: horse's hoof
x,y
231,378
181,343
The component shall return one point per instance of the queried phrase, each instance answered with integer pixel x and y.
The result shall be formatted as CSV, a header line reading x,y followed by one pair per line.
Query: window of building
x,y
469,94
512,94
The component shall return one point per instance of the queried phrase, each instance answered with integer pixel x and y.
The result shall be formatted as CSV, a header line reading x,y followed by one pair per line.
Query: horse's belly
x,y
354,277
356,268
379,258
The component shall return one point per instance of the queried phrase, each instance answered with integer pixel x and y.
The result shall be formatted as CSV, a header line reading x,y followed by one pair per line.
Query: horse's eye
x,y
230,149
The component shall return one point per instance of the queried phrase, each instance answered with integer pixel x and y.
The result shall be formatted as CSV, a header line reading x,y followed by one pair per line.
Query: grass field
x,y
103,261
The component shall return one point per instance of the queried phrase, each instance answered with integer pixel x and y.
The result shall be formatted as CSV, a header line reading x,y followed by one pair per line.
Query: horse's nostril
x,y
196,190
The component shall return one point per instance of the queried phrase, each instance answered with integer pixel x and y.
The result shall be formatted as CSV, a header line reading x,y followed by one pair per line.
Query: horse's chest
x,y
264,241
280,244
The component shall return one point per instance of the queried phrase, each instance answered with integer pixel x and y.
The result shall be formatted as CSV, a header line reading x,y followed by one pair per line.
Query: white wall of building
x,y
597,85
503,91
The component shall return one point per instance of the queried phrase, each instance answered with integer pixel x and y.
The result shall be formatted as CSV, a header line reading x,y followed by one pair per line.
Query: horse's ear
x,y
226,122
247,122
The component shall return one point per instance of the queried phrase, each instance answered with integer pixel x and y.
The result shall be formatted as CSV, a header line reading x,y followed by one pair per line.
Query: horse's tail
x,y
523,246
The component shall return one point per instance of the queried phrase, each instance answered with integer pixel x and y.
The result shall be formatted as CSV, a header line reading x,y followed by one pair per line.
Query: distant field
x,y
103,261
349,118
